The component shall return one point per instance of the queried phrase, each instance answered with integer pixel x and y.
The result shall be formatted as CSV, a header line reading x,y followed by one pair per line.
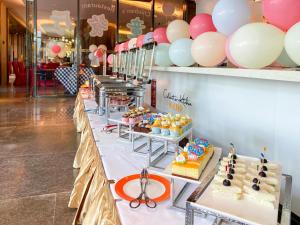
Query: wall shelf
x,y
288,75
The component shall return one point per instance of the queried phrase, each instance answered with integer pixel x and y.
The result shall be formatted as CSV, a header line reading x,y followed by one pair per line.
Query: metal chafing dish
x,y
131,81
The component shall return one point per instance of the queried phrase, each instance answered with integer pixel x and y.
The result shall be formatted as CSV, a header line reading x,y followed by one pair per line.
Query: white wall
x,y
248,112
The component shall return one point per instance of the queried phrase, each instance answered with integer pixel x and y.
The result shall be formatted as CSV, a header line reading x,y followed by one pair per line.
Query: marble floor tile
x,y
38,142
35,210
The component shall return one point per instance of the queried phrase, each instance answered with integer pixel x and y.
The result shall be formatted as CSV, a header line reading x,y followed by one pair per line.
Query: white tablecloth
x,y
119,161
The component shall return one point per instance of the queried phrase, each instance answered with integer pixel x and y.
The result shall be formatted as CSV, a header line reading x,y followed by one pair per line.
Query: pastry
x,y
192,162
175,130
155,129
242,179
259,195
165,128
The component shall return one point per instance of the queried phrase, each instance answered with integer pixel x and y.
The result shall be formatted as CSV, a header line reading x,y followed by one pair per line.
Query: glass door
x,y
54,68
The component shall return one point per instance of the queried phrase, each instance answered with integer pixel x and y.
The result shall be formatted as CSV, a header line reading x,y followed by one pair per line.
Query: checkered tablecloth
x,y
68,77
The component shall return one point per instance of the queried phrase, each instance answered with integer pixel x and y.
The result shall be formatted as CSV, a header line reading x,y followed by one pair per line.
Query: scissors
x,y
143,197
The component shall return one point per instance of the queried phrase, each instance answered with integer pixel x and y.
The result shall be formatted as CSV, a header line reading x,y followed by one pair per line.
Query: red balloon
x,y
281,13
140,41
160,35
200,24
56,49
99,54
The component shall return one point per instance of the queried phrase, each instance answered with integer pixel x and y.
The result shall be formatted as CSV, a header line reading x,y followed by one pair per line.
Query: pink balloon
x,y
228,54
281,13
200,24
116,49
140,41
56,49
160,35
121,47
99,54
110,59
126,48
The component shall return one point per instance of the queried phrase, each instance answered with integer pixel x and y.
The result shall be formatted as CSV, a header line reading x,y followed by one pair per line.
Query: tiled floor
x,y
38,142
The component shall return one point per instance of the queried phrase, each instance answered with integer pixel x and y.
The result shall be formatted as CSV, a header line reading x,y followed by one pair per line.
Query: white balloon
x,y
285,61
51,43
180,52
132,43
92,48
62,54
256,45
208,49
92,56
292,43
61,45
162,55
177,29
103,47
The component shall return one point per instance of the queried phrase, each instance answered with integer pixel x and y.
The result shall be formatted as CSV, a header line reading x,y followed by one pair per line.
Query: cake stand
x,y
162,150
208,170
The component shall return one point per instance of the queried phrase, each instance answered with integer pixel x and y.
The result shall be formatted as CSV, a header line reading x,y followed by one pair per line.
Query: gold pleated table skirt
x,y
91,194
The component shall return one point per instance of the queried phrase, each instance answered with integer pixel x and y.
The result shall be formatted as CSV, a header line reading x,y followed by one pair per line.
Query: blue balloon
x,y
230,15
180,52
162,55
148,38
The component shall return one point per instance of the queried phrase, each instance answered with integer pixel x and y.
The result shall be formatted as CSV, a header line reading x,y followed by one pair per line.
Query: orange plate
x,y
120,184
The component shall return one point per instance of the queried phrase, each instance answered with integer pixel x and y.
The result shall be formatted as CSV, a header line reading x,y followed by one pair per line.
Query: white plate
x,y
154,188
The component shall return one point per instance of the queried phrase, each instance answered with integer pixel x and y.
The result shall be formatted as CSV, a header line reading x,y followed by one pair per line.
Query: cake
x,y
191,162
255,181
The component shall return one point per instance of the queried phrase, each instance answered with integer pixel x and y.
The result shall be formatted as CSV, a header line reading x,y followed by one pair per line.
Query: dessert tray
x,y
242,211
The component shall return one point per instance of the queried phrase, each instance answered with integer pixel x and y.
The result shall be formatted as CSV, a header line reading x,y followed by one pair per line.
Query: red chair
x,y
20,75
22,68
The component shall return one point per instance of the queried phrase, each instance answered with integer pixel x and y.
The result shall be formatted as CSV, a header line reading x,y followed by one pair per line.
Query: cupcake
x,y
125,118
156,127
175,130
165,128
184,123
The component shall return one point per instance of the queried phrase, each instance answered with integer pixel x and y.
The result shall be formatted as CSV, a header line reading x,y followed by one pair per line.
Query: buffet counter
x,y
103,159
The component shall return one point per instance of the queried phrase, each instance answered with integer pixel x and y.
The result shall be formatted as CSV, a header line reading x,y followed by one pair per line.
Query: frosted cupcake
x,y
165,128
175,130
156,127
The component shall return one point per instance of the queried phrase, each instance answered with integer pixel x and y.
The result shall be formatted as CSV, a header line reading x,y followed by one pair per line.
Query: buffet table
x,y
103,161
